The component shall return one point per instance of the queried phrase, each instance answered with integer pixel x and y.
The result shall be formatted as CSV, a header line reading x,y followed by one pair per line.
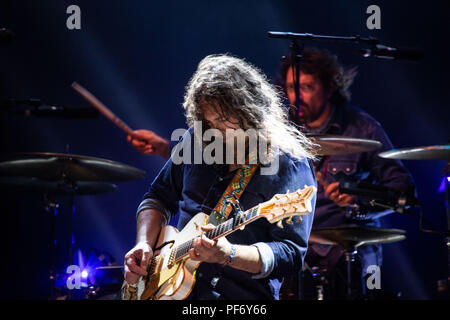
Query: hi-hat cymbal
x,y
35,185
353,236
336,145
67,167
437,152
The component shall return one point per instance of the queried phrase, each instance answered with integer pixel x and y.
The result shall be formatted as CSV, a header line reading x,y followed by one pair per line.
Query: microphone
x,y
6,36
393,53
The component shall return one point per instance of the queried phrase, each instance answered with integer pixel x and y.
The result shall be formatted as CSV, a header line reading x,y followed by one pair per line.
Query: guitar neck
x,y
223,229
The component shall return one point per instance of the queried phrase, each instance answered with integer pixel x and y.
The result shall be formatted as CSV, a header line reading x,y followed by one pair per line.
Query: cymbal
x,y
336,145
353,236
67,167
437,152
35,185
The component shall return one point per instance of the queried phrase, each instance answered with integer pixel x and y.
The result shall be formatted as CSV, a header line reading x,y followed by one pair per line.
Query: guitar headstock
x,y
288,205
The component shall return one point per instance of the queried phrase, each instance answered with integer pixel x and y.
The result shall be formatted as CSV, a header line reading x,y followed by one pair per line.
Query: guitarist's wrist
x,y
231,255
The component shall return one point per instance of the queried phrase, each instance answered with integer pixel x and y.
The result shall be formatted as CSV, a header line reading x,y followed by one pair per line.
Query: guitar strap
x,y
234,190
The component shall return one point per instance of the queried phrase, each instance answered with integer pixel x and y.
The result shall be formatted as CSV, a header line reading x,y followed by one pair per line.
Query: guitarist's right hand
x,y
136,261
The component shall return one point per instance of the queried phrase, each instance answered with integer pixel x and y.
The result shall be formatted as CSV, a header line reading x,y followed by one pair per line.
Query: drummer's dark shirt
x,y
351,121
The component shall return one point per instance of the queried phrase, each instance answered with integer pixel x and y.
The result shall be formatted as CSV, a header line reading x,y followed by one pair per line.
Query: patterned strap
x,y
233,191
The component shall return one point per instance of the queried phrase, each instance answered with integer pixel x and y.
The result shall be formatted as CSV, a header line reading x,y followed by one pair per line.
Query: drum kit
x,y
351,237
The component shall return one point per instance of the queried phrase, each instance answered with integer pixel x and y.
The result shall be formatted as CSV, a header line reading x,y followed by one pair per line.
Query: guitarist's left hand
x,y
212,251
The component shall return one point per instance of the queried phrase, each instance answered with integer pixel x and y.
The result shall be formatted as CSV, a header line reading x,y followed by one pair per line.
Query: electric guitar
x,y
171,273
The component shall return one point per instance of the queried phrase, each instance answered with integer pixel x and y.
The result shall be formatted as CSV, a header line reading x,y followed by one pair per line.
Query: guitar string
x,y
183,248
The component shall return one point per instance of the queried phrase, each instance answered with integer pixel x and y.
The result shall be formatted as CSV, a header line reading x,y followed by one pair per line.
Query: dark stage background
x,y
137,57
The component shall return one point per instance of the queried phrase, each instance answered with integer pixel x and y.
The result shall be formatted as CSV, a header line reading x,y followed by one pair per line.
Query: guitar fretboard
x,y
220,230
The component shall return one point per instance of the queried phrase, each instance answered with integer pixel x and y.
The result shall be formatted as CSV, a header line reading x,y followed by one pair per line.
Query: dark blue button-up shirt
x,y
192,188
351,121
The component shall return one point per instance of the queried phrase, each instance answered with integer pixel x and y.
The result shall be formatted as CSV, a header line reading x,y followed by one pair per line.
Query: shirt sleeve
x,y
267,259
165,191
284,254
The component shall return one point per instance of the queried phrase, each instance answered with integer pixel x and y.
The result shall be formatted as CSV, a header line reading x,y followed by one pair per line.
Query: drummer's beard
x,y
306,116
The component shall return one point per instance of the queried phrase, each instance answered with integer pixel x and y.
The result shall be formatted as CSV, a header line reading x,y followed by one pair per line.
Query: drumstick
x,y
102,108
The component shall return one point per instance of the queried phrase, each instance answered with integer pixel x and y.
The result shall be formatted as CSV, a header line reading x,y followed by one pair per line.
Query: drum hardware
x,y
338,145
319,279
381,196
434,152
37,108
6,36
350,238
54,174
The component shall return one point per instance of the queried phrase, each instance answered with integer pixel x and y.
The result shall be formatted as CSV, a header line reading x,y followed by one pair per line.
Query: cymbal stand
x,y
71,187
349,258
446,172
319,278
51,207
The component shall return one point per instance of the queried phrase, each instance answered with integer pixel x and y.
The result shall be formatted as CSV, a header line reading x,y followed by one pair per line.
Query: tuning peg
x,y
299,219
280,224
289,220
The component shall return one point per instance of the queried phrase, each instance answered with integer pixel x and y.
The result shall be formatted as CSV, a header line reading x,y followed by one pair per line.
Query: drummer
x,y
325,109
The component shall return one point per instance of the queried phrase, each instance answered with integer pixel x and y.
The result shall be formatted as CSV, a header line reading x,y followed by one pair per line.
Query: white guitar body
x,y
176,281
171,273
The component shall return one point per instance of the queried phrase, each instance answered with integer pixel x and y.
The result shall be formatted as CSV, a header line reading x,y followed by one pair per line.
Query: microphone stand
x,y
295,52
295,57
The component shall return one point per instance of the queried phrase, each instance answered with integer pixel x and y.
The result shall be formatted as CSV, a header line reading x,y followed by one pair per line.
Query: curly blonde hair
x,y
237,89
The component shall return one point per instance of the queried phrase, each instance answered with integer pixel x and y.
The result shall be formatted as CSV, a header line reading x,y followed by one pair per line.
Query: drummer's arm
x,y
387,172
148,142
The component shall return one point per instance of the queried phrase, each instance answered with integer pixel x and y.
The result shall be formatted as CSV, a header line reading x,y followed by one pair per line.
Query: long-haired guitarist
x,y
224,95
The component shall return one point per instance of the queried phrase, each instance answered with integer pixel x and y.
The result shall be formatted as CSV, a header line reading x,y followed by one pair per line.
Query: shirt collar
x,y
332,125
